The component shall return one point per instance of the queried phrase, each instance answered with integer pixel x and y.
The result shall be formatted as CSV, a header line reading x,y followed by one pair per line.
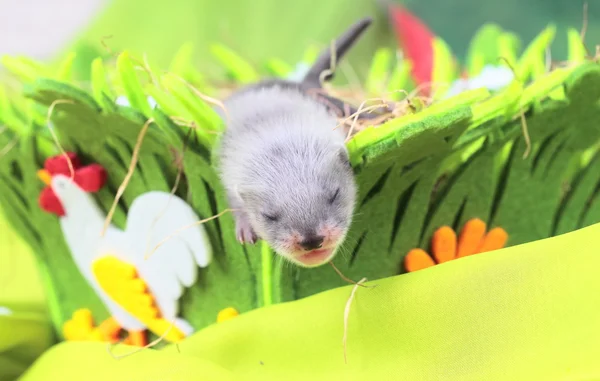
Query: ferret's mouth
x,y
315,258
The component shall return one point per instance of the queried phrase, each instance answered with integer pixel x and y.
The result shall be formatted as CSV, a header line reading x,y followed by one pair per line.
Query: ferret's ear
x,y
344,158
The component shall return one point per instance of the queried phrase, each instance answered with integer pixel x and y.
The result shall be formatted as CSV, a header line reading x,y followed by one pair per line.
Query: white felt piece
x,y
491,77
173,268
123,101
5,311
180,263
168,305
154,216
184,326
152,102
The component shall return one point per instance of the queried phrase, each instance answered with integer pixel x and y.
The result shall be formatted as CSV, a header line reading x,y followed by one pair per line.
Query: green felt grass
x,y
458,159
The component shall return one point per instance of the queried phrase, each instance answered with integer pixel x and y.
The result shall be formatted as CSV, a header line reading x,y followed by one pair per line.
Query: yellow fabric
x,y
530,312
121,282
20,281
25,328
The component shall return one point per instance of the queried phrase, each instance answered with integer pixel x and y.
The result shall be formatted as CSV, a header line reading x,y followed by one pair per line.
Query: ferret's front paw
x,y
244,232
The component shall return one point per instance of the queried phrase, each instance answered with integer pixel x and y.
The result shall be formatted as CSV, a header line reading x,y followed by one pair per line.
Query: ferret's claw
x,y
245,233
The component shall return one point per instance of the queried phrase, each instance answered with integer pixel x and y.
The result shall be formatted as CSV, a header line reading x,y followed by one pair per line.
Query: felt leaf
x,y
205,117
236,66
378,73
483,48
278,68
444,68
9,117
399,80
182,59
167,102
24,68
310,54
100,86
508,48
577,51
182,65
534,55
65,67
131,84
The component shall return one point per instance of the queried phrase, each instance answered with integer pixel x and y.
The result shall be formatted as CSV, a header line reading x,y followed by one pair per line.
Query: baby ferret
x,y
284,164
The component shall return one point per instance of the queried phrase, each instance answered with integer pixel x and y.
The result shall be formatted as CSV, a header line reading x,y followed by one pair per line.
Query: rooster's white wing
x,y
152,218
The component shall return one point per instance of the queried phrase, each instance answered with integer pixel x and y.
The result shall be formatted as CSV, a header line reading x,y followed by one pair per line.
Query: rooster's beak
x,y
45,176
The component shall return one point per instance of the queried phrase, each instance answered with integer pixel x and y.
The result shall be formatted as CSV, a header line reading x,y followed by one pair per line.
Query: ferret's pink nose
x,y
312,242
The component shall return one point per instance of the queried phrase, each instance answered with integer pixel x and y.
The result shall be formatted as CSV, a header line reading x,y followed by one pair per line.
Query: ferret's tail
x,y
342,45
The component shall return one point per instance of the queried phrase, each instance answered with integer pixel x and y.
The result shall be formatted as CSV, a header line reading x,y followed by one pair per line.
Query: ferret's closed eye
x,y
271,217
335,196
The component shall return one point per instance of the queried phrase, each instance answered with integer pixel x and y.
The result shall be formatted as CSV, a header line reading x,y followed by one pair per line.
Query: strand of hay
x,y
584,24
109,346
185,228
130,171
345,278
524,127
332,65
181,121
105,45
145,66
346,316
179,164
525,134
204,97
54,137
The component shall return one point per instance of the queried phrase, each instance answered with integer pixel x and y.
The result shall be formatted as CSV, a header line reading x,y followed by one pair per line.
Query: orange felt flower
x,y
445,246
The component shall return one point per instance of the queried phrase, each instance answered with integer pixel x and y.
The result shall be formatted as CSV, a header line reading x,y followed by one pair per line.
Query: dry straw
x,y
130,171
138,350
347,316
179,162
54,137
185,228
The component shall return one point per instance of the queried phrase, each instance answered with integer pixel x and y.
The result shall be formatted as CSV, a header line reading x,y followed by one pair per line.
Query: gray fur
x,y
282,161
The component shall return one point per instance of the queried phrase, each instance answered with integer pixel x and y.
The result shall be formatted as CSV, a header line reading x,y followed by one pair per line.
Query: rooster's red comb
x,y
59,164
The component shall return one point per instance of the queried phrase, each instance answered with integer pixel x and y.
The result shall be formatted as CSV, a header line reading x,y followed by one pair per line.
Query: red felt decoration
x,y
90,178
50,203
59,164
416,40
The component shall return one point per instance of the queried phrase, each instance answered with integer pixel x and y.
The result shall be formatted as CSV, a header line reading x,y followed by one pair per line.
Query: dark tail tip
x,y
342,45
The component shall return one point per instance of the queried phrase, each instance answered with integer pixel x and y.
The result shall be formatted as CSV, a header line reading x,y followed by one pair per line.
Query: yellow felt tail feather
x,y
121,282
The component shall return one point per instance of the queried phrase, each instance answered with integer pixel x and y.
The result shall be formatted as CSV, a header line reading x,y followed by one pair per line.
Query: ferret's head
x,y
302,199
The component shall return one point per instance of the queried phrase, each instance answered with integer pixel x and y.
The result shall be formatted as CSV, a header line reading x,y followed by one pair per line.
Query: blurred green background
x,y
260,29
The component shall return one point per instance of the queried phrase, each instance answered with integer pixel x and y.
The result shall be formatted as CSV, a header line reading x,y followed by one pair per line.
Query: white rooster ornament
x,y
140,291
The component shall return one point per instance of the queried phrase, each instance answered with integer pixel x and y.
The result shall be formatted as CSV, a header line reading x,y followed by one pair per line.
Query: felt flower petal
x,y
494,240
227,314
443,244
471,237
417,259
